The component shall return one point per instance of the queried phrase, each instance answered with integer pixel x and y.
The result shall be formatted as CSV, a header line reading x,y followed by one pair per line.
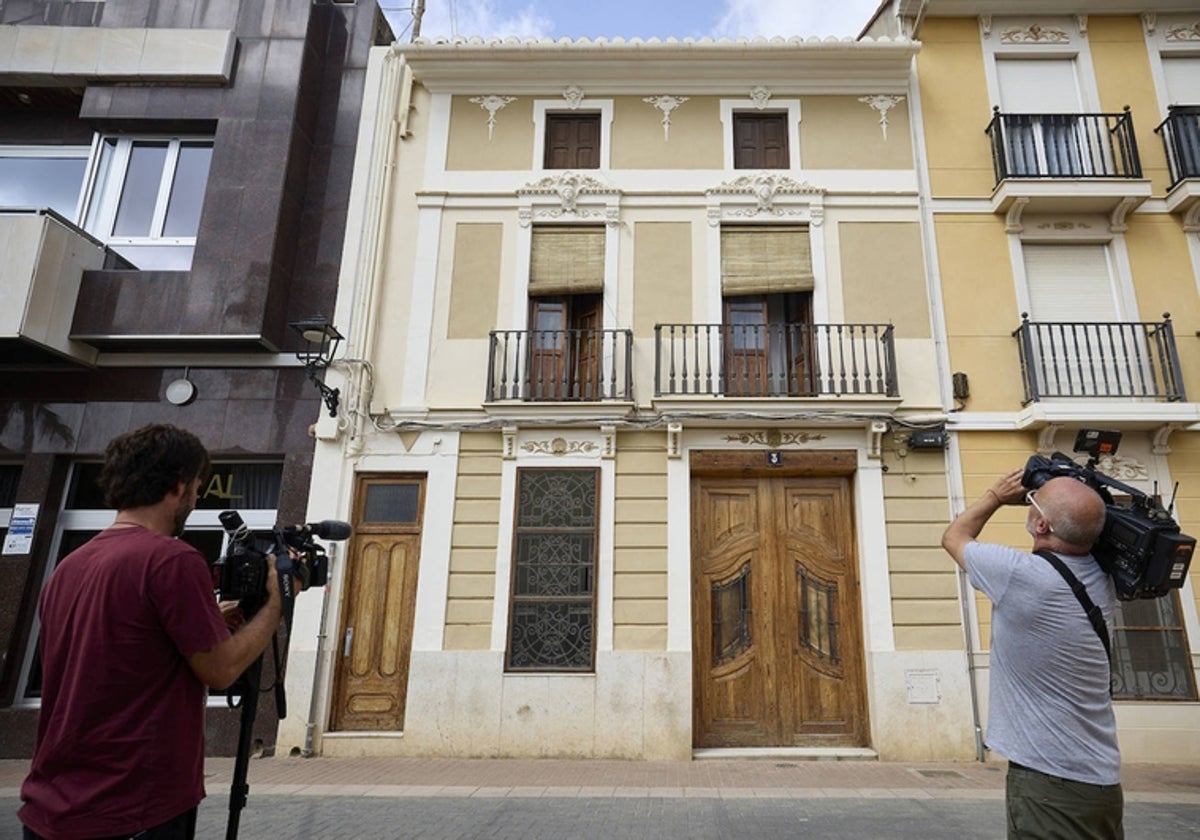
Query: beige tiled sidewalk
x,y
726,778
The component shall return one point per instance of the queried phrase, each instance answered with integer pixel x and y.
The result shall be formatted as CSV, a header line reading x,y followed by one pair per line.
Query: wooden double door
x,y
777,635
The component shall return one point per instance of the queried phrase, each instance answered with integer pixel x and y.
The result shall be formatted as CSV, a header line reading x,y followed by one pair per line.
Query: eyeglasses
x,y
1029,498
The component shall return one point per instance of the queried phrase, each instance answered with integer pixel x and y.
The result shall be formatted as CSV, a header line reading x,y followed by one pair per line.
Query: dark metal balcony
x,y
1063,146
1099,360
775,360
560,365
1180,133
1065,163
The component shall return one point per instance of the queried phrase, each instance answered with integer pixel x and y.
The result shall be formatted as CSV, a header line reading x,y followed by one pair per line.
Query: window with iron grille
x,y
1151,659
553,607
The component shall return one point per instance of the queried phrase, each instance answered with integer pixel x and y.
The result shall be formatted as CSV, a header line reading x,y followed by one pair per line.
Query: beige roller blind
x,y
761,259
567,260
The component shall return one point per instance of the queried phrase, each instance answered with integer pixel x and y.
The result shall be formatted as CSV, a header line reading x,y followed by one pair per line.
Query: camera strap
x,y
1093,612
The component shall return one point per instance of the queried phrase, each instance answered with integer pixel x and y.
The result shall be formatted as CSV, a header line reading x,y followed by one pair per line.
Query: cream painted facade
x,y
1077,242
451,202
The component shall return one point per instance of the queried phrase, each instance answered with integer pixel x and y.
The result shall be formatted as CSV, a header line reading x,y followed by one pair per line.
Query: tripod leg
x,y
239,790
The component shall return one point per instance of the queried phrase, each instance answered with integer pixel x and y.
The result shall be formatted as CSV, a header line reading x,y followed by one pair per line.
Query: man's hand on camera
x,y
232,614
1008,489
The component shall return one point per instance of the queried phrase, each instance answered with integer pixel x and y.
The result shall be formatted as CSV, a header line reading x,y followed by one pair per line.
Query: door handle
x,y
346,644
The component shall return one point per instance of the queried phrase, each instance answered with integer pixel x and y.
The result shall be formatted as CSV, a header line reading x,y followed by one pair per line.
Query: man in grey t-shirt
x,y
1049,710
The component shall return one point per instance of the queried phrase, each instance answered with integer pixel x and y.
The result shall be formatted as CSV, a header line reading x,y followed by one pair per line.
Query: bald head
x,y
1075,511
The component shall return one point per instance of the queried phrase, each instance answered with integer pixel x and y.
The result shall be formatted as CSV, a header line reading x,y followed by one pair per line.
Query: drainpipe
x,y
322,634
373,247
940,339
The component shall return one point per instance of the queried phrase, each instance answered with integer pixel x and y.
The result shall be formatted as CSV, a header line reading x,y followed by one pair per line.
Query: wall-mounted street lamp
x,y
319,342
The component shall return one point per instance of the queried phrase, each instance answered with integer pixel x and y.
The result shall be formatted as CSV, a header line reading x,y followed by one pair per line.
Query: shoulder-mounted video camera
x,y
1141,546
241,574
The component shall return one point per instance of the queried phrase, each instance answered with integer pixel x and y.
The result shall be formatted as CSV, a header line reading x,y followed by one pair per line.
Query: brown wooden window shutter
x,y
567,260
760,141
765,259
572,141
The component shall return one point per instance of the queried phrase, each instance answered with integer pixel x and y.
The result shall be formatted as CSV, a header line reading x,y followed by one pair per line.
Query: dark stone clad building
x,y
173,187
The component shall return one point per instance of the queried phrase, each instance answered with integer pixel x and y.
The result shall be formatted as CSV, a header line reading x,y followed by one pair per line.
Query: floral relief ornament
x,y
492,103
1186,32
760,95
559,447
882,103
574,96
1035,34
666,104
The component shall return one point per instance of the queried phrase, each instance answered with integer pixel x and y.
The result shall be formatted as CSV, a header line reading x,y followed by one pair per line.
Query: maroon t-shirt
x,y
120,742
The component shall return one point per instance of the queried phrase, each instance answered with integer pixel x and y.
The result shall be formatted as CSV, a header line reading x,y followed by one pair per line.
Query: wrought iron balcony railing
x,y
1180,133
1099,359
1063,146
775,360
560,365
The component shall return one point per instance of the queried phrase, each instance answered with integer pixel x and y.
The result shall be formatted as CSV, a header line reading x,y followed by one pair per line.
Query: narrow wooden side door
x,y
380,592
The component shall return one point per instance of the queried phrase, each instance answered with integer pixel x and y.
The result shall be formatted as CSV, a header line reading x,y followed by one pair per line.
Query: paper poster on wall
x,y
19,539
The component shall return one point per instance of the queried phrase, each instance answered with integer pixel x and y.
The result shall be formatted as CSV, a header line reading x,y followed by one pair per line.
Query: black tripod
x,y
247,687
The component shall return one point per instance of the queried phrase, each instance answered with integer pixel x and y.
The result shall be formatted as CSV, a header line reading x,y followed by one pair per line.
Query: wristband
x,y
997,495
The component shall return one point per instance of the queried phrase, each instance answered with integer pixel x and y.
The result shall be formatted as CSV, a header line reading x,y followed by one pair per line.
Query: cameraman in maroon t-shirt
x,y
130,637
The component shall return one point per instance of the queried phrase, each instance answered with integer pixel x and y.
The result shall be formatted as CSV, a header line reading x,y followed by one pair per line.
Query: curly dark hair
x,y
142,466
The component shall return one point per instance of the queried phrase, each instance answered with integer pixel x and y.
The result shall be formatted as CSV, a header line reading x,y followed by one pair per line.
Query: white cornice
x,y
636,67
971,8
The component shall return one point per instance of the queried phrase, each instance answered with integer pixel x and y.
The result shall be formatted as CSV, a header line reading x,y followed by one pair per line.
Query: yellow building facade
x,y
1060,171
642,421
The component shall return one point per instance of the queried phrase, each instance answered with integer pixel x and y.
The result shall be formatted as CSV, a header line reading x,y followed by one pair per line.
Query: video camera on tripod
x,y
1141,546
241,574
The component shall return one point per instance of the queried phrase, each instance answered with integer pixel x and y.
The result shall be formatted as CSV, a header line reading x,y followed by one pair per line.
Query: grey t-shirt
x,y
1049,705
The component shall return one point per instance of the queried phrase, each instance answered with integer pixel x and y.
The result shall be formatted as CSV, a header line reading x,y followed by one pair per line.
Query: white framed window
x,y
576,136
731,119
43,177
145,195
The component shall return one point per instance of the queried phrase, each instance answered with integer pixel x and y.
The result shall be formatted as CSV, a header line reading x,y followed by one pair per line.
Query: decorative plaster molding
x,y
882,103
1185,33
1158,441
1116,222
760,95
1035,34
773,438
574,95
985,25
559,447
1081,20
666,103
876,429
568,190
508,447
1064,226
1012,219
1149,21
674,434
1122,468
1046,437
608,442
764,188
1191,219
491,103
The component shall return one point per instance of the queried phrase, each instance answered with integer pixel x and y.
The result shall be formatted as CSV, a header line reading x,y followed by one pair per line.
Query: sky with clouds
x,y
632,18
